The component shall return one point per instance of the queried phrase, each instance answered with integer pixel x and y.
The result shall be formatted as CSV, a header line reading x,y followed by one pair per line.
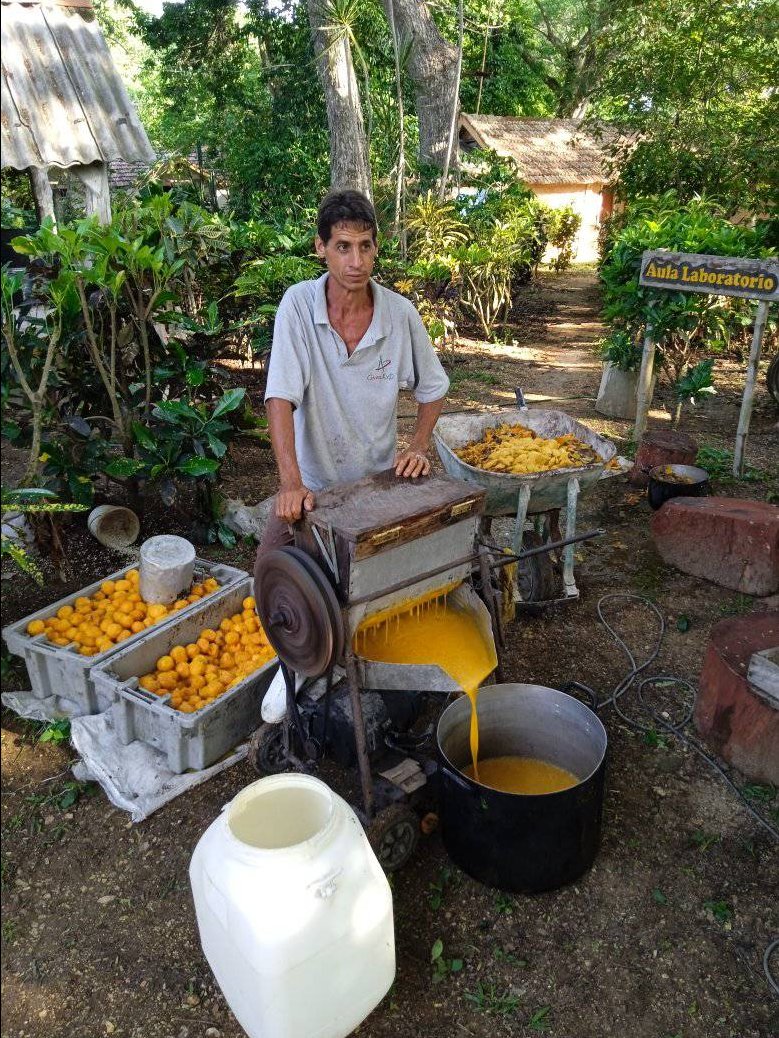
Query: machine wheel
x,y
535,576
394,834
772,378
268,751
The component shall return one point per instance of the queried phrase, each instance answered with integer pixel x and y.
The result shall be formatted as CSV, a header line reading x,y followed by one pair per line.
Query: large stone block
x,y
738,724
730,541
661,447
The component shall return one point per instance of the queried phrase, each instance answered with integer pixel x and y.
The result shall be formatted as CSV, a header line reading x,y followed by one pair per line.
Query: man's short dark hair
x,y
345,207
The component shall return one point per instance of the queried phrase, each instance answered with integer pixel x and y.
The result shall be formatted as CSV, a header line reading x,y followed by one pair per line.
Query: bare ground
x,y
663,938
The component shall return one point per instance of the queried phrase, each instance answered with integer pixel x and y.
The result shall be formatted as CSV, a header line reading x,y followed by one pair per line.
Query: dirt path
x,y
663,938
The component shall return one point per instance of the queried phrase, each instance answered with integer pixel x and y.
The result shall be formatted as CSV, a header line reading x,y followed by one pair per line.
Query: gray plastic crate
x,y
188,740
60,672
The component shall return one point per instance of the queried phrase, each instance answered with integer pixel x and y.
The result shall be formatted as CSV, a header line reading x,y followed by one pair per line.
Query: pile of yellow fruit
x,y
515,449
198,673
111,615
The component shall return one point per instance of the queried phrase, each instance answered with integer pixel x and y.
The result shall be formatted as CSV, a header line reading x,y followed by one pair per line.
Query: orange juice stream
x,y
427,631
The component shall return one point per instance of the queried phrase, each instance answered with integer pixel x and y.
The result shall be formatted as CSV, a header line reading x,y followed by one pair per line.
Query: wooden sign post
x,y
714,275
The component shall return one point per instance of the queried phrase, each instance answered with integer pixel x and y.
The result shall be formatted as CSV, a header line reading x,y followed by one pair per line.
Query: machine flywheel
x,y
299,612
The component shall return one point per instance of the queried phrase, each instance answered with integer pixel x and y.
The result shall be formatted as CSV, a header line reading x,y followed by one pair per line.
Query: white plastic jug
x,y
294,911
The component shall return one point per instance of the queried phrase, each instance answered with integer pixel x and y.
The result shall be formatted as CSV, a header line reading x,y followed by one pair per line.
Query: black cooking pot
x,y
667,481
516,842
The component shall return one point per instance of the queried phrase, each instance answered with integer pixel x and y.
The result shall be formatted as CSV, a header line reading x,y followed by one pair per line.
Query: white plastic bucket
x,y
294,911
166,568
113,525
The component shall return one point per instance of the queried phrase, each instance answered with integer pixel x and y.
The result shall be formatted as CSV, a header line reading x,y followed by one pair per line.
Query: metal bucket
x,y
516,842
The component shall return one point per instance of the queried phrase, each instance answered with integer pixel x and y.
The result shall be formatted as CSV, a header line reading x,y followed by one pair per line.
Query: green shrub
x,y
686,326
621,350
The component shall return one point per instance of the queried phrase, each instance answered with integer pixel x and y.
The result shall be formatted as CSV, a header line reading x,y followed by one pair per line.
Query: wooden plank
x,y
713,275
371,509
644,389
749,391
763,674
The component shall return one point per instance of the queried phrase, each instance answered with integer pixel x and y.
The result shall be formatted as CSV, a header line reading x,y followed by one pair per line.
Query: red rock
x,y
730,541
739,725
661,447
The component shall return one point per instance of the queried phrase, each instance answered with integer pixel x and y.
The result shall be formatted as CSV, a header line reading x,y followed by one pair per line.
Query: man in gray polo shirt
x,y
343,348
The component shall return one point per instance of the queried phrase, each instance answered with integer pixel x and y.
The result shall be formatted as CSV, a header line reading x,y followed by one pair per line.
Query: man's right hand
x,y
291,502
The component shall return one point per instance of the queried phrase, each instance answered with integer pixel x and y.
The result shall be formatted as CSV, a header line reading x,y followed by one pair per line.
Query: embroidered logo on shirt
x,y
380,373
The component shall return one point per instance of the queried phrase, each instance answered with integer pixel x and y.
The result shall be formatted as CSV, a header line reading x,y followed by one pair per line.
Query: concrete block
x,y
738,724
617,392
661,447
730,541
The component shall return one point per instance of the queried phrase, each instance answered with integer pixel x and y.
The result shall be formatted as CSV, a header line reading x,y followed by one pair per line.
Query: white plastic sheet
x,y
135,777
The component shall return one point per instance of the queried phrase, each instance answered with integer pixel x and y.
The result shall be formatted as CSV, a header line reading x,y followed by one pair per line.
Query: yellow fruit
x,y
232,638
180,603
65,612
86,650
123,636
149,682
182,669
106,588
178,653
210,584
168,680
192,650
196,703
197,681
123,585
36,627
207,635
113,630
165,663
132,575
83,604
157,611
186,708
226,624
249,603
137,627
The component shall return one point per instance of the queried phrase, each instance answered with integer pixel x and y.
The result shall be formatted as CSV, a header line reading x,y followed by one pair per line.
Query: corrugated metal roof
x,y
546,151
63,103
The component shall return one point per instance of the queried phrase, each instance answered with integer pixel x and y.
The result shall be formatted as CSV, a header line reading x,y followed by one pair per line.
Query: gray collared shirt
x,y
346,407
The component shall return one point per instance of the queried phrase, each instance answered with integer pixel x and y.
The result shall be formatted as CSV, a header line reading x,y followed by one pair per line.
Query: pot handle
x,y
576,686
465,784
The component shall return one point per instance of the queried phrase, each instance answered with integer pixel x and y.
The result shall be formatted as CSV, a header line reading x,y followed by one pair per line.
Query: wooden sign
x,y
715,275
718,276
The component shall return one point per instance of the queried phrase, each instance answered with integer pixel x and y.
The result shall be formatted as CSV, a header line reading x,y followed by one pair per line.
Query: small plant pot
x,y
114,526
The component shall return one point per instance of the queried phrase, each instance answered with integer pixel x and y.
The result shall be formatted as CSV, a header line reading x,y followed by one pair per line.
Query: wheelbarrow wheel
x,y
268,750
394,834
535,576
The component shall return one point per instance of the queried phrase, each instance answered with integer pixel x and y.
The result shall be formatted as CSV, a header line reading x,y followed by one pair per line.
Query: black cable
x,y
675,728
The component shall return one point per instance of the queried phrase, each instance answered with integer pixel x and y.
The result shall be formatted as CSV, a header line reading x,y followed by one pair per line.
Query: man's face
x,y
349,254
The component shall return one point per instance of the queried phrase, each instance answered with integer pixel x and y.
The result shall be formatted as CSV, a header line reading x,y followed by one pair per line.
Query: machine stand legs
x,y
569,584
366,779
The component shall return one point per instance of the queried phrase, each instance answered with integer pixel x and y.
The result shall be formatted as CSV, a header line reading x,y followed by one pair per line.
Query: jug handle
x,y
325,886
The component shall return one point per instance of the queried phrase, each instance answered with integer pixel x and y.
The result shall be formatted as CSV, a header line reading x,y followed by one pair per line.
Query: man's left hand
x,y
411,463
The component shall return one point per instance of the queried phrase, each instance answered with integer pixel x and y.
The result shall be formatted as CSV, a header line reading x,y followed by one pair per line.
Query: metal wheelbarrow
x,y
537,501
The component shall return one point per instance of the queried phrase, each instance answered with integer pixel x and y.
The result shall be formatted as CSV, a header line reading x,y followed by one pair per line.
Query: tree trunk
x,y
42,193
432,67
349,161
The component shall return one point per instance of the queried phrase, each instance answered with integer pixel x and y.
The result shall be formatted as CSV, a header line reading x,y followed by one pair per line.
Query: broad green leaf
x,y
144,436
123,468
198,467
231,399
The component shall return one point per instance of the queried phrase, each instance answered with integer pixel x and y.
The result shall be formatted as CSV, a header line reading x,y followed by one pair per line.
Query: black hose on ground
x,y
660,718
